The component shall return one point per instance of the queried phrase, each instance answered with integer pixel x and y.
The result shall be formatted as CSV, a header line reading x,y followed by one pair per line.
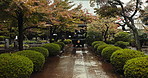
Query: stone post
x,y
6,43
15,44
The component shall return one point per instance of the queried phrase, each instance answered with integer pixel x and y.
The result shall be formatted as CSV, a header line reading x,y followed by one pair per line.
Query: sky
x,y
86,5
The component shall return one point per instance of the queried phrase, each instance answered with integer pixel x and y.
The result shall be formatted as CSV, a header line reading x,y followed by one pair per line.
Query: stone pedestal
x,y
6,43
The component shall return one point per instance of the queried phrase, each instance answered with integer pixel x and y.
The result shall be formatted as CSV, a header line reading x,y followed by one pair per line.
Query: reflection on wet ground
x,y
76,63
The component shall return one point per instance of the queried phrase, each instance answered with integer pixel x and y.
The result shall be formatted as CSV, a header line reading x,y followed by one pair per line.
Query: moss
x,y
53,49
42,50
36,57
15,66
136,68
119,57
107,52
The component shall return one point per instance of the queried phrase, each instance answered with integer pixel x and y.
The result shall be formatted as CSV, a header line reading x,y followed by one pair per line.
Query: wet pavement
x,y
76,63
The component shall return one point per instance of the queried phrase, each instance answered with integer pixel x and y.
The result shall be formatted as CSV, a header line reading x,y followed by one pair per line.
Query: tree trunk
x,y
20,28
105,34
136,37
135,33
51,34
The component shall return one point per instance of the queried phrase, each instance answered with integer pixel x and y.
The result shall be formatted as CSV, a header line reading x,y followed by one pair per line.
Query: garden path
x,y
76,63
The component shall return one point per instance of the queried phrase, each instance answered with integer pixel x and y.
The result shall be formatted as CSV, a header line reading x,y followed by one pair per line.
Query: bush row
x,y
34,41
21,64
2,38
67,41
133,63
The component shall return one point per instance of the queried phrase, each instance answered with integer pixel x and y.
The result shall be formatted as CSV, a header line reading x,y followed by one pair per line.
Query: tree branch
x,y
33,27
137,2
123,26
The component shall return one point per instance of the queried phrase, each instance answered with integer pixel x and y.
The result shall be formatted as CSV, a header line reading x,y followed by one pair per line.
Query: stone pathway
x,y
76,63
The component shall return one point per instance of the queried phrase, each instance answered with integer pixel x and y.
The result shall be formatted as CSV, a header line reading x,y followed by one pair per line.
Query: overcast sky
x,y
86,5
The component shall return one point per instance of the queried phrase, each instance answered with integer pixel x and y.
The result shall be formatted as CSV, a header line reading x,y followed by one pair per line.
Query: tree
x,y
107,11
63,17
20,10
144,16
59,17
127,12
105,26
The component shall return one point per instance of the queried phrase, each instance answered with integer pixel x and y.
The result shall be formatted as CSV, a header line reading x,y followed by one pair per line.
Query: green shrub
x,y
62,44
53,49
121,44
119,57
98,44
15,66
37,58
143,38
12,45
24,45
101,47
107,52
89,40
122,36
2,45
110,41
93,36
136,68
67,41
94,43
2,38
34,42
42,50
43,41
132,42
30,42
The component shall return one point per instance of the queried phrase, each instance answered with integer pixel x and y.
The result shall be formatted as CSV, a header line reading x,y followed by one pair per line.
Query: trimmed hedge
x,y
30,42
101,47
2,45
93,36
37,58
122,44
122,36
15,66
107,52
96,46
67,41
136,68
25,46
53,49
119,57
98,43
62,44
42,50
94,43
2,38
